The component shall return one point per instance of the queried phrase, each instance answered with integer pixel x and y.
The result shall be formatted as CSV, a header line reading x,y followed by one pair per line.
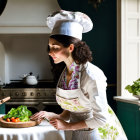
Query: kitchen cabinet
x,y
128,112
2,108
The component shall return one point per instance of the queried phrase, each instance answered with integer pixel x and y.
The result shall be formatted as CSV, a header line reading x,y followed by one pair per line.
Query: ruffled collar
x,y
74,67
75,71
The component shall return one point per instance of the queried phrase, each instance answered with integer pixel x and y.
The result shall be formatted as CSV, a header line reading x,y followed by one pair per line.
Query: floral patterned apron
x,y
80,109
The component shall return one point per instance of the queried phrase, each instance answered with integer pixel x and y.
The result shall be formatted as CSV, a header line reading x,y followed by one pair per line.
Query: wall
x,y
2,63
102,39
24,35
26,16
24,54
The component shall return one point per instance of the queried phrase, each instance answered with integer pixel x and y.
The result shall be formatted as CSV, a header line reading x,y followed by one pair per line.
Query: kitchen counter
x,y
43,131
128,112
131,100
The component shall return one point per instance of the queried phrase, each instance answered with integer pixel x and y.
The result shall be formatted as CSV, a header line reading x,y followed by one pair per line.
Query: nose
x,y
51,53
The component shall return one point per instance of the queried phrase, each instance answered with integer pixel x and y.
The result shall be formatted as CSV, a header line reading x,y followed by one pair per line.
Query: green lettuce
x,y
134,88
20,112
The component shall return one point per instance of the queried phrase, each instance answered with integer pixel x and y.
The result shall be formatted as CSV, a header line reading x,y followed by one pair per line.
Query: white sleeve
x,y
97,96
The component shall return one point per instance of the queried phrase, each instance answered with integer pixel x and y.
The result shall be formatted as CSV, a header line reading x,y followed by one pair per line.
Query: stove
x,y
20,84
39,97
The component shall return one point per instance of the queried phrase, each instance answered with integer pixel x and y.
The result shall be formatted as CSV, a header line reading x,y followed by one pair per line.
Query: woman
x,y
81,89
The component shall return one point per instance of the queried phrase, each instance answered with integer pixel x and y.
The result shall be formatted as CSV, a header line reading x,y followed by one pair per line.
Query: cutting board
x,y
6,124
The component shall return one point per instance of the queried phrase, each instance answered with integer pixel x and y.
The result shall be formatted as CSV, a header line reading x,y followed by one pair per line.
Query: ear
x,y
71,47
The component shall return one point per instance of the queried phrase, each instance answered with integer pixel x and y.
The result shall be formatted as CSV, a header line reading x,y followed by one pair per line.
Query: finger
x,y
34,118
55,126
52,123
34,115
53,119
38,116
41,119
42,114
38,122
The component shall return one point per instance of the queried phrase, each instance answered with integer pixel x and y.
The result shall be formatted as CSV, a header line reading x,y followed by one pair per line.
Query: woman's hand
x,y
60,124
44,114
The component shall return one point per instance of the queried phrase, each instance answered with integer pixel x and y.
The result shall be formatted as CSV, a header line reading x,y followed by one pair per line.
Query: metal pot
x,y
30,79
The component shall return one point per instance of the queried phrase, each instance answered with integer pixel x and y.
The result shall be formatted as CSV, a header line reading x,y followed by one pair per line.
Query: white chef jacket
x,y
93,83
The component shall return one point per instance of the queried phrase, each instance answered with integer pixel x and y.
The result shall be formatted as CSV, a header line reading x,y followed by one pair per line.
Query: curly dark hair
x,y
81,53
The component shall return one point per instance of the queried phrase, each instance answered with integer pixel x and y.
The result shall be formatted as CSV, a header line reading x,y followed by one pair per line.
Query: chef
x,y
81,89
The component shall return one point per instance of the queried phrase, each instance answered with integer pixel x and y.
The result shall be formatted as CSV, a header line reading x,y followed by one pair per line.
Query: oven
x,y
37,98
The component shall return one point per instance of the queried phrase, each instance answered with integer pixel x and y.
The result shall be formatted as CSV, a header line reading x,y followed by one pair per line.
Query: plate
x,y
6,124
137,96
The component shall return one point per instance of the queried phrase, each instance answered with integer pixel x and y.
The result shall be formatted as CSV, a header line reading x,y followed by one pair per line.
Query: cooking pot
x,y
30,79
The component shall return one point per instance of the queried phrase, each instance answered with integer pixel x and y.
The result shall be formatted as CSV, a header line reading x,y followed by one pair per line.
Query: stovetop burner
x,y
48,84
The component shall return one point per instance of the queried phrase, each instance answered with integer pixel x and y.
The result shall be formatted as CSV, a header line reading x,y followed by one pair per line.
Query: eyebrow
x,y
53,44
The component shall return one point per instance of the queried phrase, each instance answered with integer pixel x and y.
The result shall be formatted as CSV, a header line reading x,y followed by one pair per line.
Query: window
x,y
128,44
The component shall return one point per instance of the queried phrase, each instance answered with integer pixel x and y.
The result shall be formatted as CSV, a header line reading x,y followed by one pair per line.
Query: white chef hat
x,y
69,23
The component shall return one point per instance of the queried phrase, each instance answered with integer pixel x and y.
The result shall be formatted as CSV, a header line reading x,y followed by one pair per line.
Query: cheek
x,y
63,53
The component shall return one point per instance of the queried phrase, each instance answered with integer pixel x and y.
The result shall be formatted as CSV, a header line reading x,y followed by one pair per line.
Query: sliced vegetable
x,y
8,120
12,118
18,119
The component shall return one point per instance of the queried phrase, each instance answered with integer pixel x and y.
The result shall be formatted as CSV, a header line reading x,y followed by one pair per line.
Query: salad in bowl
x,y
19,114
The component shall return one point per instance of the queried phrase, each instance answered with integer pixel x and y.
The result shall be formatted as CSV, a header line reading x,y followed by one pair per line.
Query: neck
x,y
68,62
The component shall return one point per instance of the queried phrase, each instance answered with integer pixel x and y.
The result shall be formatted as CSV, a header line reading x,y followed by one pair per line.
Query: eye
x,y
54,48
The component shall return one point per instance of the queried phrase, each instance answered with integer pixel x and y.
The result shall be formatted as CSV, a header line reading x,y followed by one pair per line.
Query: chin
x,y
56,62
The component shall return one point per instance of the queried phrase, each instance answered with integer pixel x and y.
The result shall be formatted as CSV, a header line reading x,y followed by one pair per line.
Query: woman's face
x,y
57,51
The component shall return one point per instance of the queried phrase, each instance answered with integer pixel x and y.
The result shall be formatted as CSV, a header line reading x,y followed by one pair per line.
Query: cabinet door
x,y
138,124
2,109
129,116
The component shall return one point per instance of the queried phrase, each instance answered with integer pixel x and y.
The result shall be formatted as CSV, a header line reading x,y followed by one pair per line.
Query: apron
x,y
81,109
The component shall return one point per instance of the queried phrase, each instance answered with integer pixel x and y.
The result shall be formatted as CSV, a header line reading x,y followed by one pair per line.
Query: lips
x,y
54,58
